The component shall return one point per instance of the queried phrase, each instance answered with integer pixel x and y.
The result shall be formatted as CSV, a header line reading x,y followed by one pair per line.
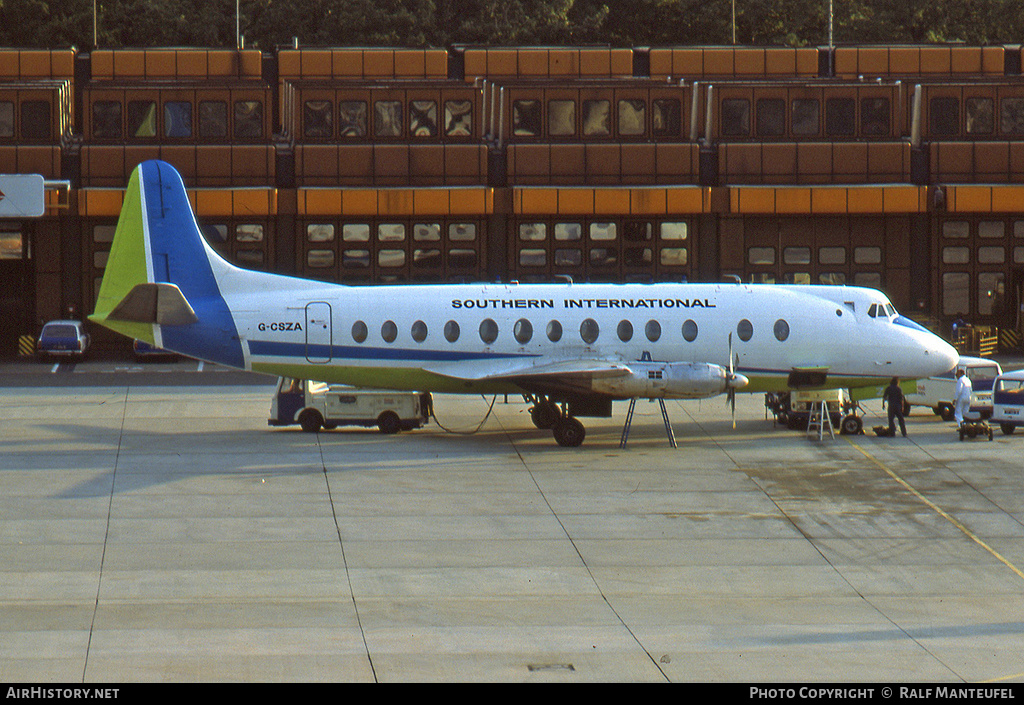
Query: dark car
x,y
63,338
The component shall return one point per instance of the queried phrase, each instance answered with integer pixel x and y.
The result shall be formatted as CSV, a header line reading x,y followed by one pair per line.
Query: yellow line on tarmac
x,y
938,510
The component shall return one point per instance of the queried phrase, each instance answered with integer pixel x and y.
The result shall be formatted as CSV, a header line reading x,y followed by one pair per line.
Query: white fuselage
x,y
418,336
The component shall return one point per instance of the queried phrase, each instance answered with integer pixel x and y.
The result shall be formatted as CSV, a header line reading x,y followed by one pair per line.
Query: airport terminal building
x,y
896,167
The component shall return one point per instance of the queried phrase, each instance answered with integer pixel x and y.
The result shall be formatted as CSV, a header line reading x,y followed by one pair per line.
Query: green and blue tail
x,y
163,283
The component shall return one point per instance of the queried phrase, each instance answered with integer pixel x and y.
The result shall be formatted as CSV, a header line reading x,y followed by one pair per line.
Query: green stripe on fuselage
x,y
126,266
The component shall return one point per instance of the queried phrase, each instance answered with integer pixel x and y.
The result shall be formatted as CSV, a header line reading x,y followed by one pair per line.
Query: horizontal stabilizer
x,y
161,303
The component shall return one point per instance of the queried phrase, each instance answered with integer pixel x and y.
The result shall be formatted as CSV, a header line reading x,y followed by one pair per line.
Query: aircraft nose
x,y
943,355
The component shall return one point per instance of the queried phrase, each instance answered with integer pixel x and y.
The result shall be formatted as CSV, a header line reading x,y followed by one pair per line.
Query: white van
x,y
315,405
1008,401
939,392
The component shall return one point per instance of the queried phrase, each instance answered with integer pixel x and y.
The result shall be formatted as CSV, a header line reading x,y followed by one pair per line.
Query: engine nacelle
x,y
681,380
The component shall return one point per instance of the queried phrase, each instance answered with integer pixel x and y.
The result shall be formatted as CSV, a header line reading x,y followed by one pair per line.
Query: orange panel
x,y
866,200
35,64
687,200
621,62
596,62
213,203
935,60
969,199
661,62
359,202
410,63
535,201
316,64
469,202
993,60
396,202
749,62
251,64
563,62
129,63
9,64
347,63
719,62
161,64
648,201
533,62
688,62
100,202
575,201
253,202
846,61
379,63
1007,199
780,62
502,62
289,64
873,61
436,63
750,199
193,63
431,202
793,200
829,200
319,202
225,63
905,60
62,64
476,63
614,200
904,199
965,59
807,62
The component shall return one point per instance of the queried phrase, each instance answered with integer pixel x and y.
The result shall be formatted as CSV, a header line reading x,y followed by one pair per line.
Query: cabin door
x,y
318,332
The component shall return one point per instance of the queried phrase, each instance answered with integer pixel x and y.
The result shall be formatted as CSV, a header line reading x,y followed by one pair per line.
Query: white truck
x,y
315,405
938,392
1008,401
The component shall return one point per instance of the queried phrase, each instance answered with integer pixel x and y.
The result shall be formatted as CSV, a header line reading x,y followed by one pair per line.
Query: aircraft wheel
x,y
544,415
851,425
388,422
569,432
311,420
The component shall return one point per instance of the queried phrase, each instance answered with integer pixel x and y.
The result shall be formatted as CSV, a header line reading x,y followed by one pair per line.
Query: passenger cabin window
x,y
488,331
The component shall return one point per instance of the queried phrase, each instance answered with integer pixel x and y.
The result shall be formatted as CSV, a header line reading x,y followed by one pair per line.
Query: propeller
x,y
731,393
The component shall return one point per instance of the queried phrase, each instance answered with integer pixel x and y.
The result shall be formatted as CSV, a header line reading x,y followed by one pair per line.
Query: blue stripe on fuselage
x,y
350,352
179,257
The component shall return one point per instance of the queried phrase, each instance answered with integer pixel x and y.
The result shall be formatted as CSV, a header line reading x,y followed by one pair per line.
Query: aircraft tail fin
x,y
163,282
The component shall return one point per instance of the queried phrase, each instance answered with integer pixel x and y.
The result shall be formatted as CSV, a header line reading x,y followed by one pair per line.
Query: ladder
x,y
820,418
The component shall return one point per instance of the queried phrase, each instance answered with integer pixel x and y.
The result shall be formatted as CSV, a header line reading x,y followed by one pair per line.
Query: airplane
x,y
569,348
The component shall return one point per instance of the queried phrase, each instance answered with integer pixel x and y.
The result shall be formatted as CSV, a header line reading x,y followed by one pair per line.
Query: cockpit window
x,y
873,310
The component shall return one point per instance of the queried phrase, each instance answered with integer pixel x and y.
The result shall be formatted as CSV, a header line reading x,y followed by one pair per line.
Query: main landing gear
x,y
546,414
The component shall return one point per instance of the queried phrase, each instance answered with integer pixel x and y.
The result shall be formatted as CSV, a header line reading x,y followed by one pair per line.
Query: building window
x,y
735,117
351,118
840,117
317,119
805,116
944,116
177,118
213,119
106,119
458,118
561,118
980,116
874,117
141,118
248,119
632,117
771,117
423,118
526,118
596,118
387,118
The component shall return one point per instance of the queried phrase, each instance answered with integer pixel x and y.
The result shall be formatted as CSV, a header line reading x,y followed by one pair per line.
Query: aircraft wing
x,y
562,375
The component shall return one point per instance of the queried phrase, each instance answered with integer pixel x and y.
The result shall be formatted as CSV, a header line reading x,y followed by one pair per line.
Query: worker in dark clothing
x,y
894,397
